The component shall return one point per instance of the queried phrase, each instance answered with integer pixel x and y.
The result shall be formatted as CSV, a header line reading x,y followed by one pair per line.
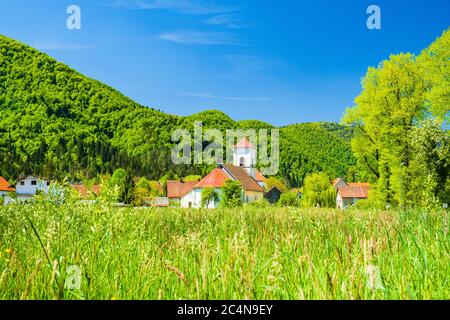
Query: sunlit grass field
x,y
247,253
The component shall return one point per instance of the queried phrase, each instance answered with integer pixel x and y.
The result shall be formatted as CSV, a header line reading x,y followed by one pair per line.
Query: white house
x,y
242,170
29,186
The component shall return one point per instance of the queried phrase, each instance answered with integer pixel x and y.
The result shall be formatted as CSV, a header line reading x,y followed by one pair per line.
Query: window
x,y
22,183
33,182
48,183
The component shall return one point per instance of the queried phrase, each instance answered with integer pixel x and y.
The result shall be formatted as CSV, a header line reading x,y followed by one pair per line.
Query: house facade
x,y
29,186
242,170
350,193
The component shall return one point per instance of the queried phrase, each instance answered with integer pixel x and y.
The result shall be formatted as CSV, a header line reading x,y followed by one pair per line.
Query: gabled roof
x,y
5,185
244,143
241,175
176,189
216,179
360,192
336,181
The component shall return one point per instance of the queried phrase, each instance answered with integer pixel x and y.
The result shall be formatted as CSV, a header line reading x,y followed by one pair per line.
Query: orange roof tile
x,y
244,143
84,192
359,184
361,192
241,175
5,185
176,189
216,179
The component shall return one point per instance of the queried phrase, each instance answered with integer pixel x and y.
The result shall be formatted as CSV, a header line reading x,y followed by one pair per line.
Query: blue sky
x,y
277,61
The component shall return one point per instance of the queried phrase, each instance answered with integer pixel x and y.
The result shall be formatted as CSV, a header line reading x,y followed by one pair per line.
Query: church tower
x,y
245,156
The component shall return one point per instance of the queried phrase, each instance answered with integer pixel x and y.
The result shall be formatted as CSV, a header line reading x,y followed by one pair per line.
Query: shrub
x,y
232,194
318,191
289,199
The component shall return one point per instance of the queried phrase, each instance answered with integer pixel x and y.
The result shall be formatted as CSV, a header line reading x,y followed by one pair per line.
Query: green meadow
x,y
245,253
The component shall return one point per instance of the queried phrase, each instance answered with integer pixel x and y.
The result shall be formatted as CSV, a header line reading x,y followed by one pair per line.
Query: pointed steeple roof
x,y
244,143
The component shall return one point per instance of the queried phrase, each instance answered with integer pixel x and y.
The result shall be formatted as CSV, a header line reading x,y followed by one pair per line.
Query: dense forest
x,y
57,123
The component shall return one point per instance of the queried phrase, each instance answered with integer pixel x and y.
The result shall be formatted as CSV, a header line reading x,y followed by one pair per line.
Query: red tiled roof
x,y
83,191
241,175
5,185
360,192
176,189
216,179
244,143
359,184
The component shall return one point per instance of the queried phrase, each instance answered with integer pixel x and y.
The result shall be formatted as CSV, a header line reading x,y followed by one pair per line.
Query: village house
x,y
5,191
176,189
29,186
242,170
349,193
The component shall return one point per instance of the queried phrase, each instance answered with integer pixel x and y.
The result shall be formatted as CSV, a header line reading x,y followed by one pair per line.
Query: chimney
x,y
251,172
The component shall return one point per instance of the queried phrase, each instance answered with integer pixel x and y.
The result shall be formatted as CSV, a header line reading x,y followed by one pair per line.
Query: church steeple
x,y
245,156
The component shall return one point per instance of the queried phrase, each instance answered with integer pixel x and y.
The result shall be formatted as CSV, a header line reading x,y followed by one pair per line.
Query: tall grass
x,y
248,253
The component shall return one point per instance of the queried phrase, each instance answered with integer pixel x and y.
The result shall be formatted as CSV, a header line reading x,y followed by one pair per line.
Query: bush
x,y
208,195
232,194
318,191
261,203
289,199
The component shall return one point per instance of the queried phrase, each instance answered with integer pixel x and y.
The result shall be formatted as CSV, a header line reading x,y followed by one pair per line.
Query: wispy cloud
x,y
59,46
196,7
225,20
215,97
201,38
252,63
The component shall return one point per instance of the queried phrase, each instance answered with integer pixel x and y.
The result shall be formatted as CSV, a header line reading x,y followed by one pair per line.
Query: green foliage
x,y
436,68
261,203
275,182
397,96
309,148
141,191
318,192
430,166
289,199
57,123
208,195
232,191
192,178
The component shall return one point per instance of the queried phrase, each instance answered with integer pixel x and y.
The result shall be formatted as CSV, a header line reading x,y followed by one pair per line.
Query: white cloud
x,y
201,38
224,20
198,7
252,63
215,97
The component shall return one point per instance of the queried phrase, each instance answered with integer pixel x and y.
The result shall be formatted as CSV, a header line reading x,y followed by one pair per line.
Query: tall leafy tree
x,y
318,191
396,97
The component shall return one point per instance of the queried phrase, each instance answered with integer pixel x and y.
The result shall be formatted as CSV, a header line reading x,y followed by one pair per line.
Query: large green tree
x,y
396,97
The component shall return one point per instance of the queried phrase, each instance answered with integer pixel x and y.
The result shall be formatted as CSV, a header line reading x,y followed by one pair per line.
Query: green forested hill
x,y
58,123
